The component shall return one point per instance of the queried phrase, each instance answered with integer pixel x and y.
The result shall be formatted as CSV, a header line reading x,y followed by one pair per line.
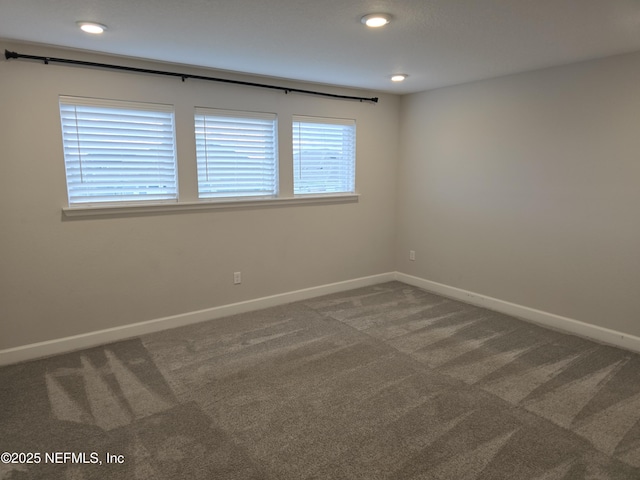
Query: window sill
x,y
156,208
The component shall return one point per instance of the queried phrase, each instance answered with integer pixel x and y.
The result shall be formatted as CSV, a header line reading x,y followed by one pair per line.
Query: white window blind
x,y
236,153
324,155
118,151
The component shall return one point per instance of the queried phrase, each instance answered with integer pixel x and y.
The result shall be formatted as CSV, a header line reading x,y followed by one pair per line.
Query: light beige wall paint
x,y
527,189
60,278
523,188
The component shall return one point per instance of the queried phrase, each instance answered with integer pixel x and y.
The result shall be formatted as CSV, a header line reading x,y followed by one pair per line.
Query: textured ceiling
x,y
436,42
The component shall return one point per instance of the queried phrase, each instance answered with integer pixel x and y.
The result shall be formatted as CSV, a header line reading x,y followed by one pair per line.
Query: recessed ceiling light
x,y
400,77
92,27
375,20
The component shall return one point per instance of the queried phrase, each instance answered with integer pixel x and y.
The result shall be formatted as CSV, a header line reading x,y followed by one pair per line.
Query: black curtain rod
x,y
8,55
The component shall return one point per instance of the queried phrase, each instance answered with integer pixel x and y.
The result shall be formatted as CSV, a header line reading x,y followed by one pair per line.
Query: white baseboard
x,y
92,339
557,322
100,337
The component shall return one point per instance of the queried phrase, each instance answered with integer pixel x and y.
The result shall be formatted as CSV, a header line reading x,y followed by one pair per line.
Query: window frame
x,y
250,120
349,145
187,199
165,142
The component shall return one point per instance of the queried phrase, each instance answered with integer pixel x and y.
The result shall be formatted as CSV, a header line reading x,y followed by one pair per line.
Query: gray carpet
x,y
384,382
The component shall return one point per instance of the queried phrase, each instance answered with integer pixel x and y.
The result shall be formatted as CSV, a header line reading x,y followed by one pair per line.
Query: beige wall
x,y
65,277
524,188
527,188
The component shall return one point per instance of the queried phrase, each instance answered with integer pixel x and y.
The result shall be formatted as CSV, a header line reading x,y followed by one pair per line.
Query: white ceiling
x,y
436,42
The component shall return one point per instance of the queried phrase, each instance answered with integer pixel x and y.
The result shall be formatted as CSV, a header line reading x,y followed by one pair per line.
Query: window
x,y
324,155
236,153
118,151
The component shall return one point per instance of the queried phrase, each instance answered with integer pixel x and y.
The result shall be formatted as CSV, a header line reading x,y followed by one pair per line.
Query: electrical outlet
x,y
237,278
412,255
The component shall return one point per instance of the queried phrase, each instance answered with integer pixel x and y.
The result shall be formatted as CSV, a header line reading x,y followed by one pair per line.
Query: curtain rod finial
x,y
8,54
